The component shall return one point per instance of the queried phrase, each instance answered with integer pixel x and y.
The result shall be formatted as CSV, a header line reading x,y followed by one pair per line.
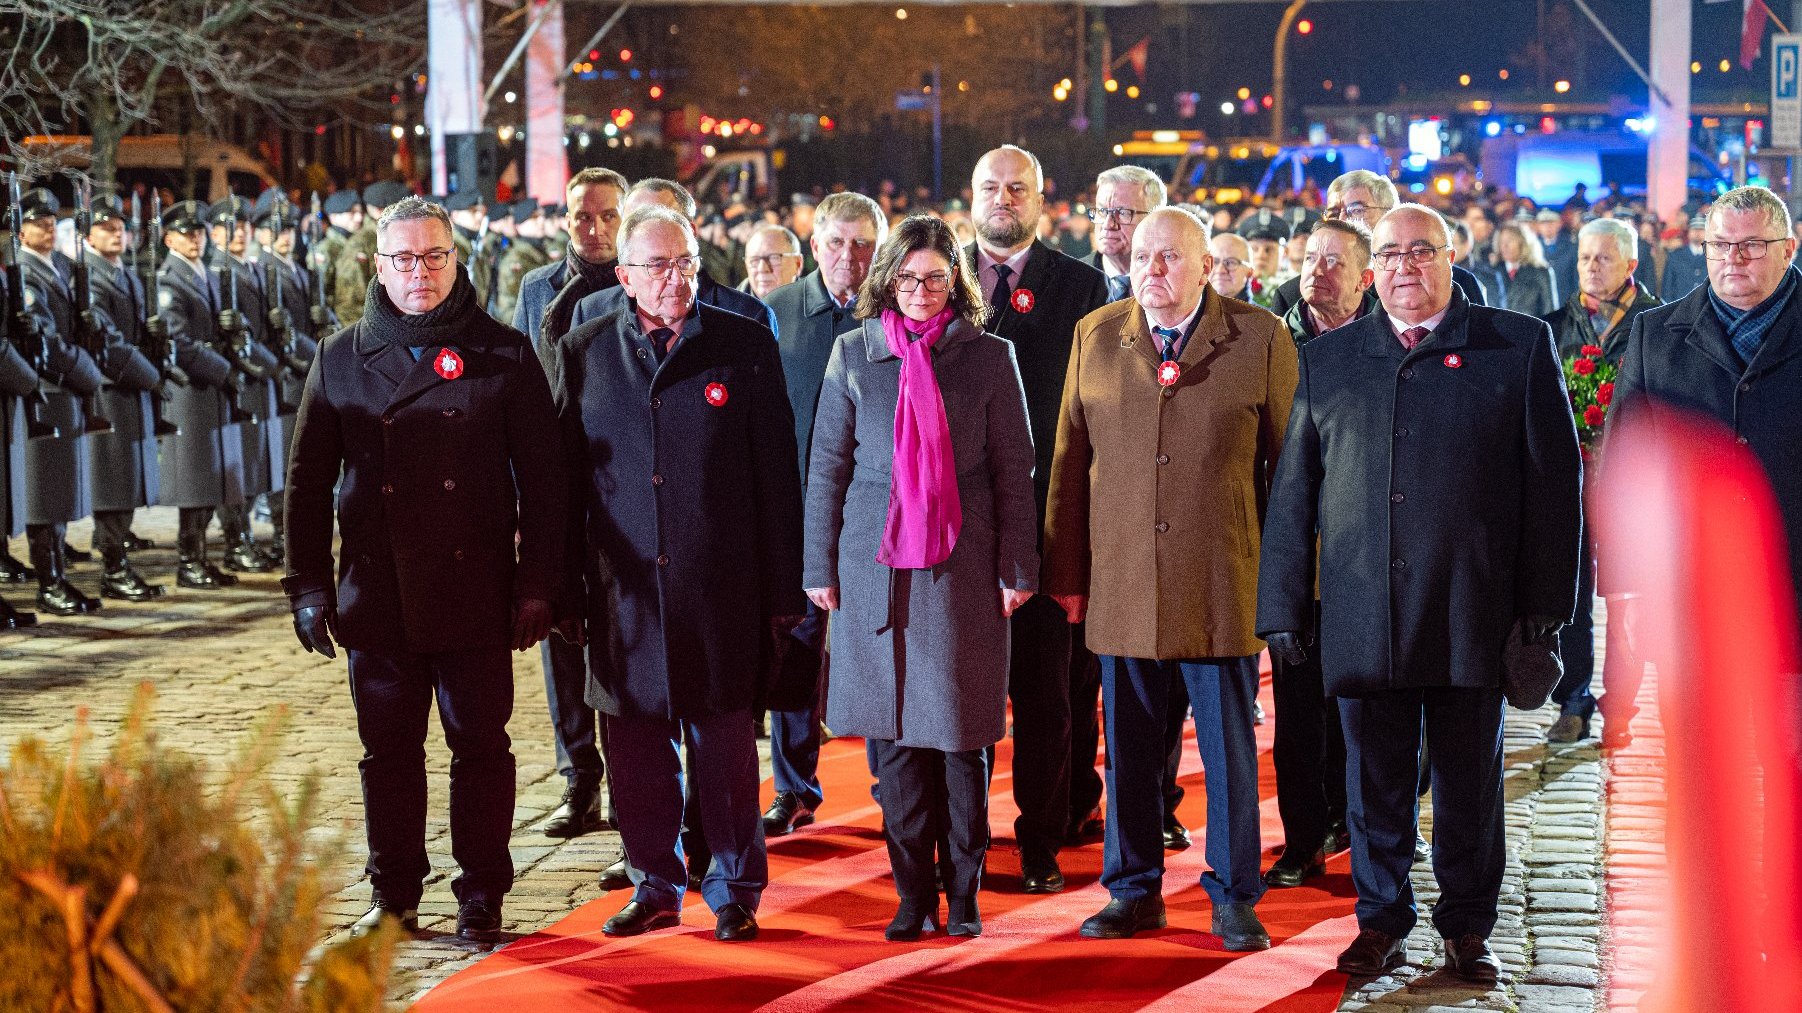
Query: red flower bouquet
x,y
1590,380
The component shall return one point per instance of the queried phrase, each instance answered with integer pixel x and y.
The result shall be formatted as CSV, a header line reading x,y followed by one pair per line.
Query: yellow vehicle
x,y
1197,169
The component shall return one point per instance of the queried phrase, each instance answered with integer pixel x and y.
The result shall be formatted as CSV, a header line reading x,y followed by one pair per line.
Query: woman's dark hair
x,y
920,232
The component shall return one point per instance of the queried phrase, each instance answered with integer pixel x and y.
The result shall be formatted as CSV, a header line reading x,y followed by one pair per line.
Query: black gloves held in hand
x,y
313,625
1288,646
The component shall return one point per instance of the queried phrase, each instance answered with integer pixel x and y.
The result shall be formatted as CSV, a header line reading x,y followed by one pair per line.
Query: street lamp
x,y
1277,67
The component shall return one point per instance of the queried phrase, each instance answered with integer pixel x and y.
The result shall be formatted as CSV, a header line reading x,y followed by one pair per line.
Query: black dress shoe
x,y
1040,874
962,917
1086,828
1567,729
1469,958
72,554
126,584
479,921
61,599
1294,868
912,919
617,876
579,812
1338,839
636,919
12,619
785,814
202,577
1122,919
372,919
1239,929
1372,954
245,559
734,923
1176,836
132,543
14,572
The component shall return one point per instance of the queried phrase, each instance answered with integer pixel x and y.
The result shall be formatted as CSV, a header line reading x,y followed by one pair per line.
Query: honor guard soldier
x,y
56,466
343,210
469,215
494,245
122,460
202,463
524,254
293,333
19,404
430,426
241,294
355,263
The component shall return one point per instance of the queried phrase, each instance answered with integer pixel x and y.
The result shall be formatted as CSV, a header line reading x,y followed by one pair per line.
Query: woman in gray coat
x,y
921,541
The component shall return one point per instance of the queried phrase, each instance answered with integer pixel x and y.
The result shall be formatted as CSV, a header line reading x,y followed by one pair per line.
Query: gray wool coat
x,y
920,656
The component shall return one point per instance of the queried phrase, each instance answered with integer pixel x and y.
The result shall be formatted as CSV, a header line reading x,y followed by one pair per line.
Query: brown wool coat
x,y
1158,493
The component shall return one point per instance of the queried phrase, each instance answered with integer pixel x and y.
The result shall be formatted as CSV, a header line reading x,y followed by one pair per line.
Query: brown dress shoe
x,y
1373,954
1469,958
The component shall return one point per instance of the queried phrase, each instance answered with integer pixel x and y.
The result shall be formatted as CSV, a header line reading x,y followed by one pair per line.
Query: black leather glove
x,y
313,625
1537,628
1288,646
531,622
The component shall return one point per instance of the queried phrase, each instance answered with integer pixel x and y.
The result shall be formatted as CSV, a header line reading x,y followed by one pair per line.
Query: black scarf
x,y
441,325
580,279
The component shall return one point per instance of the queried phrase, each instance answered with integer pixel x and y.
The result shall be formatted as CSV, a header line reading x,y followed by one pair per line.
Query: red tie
x,y
1413,336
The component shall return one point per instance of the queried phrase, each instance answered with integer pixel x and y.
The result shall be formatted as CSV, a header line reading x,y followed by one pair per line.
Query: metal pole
x,y
1278,68
938,163
592,42
520,48
1667,155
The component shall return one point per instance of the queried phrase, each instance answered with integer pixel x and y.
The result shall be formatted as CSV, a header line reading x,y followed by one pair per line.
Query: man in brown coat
x,y
1173,414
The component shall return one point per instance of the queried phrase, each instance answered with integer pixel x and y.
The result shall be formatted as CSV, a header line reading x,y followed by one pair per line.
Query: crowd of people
x,y
895,473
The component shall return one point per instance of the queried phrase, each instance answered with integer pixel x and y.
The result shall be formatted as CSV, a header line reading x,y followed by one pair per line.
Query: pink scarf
x,y
924,515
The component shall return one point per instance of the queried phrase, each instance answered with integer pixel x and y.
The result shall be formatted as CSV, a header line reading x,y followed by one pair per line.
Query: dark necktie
x,y
1002,290
660,339
1118,287
1168,337
1413,336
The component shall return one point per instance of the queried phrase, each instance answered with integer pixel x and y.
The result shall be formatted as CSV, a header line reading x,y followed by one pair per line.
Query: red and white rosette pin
x,y
448,364
1453,361
1022,300
716,395
1168,373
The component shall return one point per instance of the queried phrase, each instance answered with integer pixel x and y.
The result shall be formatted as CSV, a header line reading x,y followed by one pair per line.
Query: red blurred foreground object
x,y
1688,524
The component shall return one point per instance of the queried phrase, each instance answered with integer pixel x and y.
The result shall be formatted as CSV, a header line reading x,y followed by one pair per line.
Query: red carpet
x,y
830,897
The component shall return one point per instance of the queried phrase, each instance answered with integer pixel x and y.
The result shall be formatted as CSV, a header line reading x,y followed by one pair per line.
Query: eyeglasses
x,y
1419,256
1329,262
685,266
935,283
1344,211
406,262
1751,249
770,261
1124,216
1229,264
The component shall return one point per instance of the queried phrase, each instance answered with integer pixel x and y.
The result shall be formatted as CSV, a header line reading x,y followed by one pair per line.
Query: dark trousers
x,y
1309,754
111,528
573,722
1039,686
1137,693
1085,729
648,792
235,522
933,801
393,695
1382,759
795,734
44,542
1577,643
190,533
1176,715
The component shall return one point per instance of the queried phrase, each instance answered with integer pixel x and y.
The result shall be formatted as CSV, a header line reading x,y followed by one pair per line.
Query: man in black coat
x,y
686,516
1431,451
440,421
122,460
56,467
1728,351
1037,295
810,314
1599,315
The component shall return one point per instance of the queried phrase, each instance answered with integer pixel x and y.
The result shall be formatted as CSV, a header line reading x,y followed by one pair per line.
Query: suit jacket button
x,y
1396,497
656,402
1403,431
1169,391
387,488
457,554
1741,440
449,484
662,560
1407,374
451,413
1744,387
1163,458
656,479
387,420
1398,564
1162,526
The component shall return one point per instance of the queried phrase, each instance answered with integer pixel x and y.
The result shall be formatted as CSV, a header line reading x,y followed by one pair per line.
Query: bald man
x,y
1432,454
1172,419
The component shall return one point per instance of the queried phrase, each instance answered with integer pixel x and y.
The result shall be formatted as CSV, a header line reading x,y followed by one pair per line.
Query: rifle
x,y
234,335
87,336
33,346
317,312
162,349
154,340
284,344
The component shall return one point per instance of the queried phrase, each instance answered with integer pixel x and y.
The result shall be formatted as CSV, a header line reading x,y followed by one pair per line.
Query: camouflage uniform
x,y
353,268
522,256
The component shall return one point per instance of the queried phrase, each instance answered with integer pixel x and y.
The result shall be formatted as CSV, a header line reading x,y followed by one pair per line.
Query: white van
x,y
160,160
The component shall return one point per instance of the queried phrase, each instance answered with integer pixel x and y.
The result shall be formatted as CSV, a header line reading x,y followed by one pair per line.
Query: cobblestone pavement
x,y
220,660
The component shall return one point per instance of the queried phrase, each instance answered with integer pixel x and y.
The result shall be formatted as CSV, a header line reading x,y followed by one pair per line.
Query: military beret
x,y
500,213
383,193
38,202
463,200
525,208
186,216
340,201
229,207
